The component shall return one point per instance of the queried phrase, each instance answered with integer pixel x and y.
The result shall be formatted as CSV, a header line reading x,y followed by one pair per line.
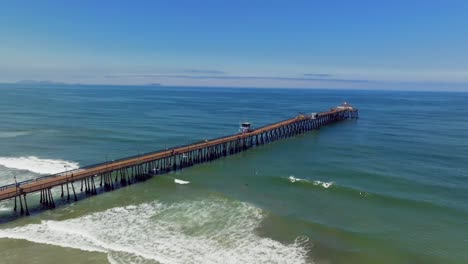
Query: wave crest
x,y
325,185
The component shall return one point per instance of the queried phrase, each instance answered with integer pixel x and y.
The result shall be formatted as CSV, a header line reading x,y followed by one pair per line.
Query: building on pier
x,y
345,106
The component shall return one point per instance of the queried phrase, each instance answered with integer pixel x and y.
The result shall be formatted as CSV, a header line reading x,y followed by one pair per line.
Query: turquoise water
x,y
391,187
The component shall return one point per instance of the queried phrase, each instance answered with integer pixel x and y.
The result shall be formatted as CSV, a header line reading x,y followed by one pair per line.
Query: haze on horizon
x,y
414,45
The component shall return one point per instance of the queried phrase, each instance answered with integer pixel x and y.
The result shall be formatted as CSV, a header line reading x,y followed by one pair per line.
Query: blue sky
x,y
307,44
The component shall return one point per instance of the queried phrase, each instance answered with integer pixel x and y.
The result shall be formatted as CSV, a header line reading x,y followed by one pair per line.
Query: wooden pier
x,y
109,175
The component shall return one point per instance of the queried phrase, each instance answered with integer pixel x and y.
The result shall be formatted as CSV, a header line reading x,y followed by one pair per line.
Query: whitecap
x,y
206,231
294,179
13,134
38,165
181,181
325,185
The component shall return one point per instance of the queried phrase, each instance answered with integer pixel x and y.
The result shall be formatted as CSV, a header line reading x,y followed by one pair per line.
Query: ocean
x,y
390,187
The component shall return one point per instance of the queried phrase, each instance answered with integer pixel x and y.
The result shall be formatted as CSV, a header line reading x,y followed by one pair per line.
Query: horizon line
x,y
157,85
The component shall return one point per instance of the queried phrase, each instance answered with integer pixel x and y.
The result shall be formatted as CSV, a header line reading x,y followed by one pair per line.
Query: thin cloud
x,y
318,75
186,73
193,71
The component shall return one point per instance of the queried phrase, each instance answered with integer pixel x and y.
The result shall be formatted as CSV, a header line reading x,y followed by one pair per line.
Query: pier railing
x,y
21,183
133,168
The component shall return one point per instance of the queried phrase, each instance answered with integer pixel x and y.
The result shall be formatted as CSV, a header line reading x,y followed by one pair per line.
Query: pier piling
x,y
139,168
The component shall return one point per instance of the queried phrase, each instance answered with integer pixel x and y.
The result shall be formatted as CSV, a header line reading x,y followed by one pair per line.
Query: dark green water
x,y
391,187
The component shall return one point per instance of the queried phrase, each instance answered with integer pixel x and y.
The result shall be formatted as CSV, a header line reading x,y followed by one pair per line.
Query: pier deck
x,y
132,169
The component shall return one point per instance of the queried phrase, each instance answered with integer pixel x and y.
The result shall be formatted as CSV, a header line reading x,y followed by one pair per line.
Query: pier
x,y
110,175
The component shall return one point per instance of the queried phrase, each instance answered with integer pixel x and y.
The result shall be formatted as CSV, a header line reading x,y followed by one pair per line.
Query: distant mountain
x,y
40,82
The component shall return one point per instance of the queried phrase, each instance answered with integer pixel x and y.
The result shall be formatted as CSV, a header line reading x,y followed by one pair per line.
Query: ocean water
x,y
390,187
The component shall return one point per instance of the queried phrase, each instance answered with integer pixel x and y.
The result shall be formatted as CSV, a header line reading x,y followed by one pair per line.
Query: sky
x,y
398,44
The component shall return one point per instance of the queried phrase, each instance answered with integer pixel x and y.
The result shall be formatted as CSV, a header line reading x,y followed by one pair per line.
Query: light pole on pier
x,y
16,189
107,163
16,182
66,170
66,177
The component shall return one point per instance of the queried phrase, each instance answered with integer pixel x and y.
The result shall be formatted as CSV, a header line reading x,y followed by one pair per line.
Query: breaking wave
x,y
37,165
4,208
206,231
325,185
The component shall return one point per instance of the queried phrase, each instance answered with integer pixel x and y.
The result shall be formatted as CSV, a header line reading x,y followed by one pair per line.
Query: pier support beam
x,y
25,204
133,169
21,206
73,188
68,193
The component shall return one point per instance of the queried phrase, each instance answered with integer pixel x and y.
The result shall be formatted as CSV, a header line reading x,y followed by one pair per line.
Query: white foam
x,y
37,165
4,208
294,179
181,181
206,231
13,134
325,185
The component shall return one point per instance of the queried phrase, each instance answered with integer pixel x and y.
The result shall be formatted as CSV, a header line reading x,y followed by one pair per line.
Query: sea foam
x,y
38,165
4,208
294,179
181,181
325,185
204,231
